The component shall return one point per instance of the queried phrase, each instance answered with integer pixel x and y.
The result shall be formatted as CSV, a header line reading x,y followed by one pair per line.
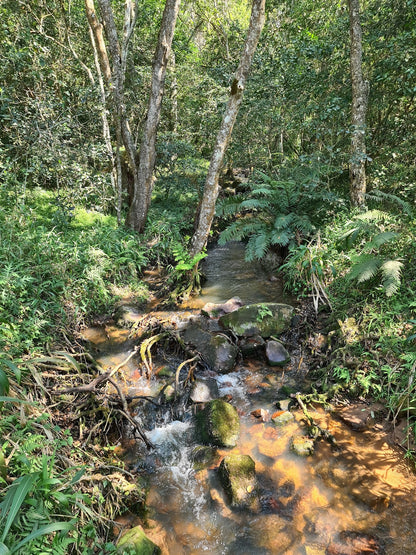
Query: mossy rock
x,y
136,541
218,424
282,417
264,319
302,446
237,475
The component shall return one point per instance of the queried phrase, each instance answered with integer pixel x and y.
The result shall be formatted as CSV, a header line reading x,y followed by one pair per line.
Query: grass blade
x,y
14,499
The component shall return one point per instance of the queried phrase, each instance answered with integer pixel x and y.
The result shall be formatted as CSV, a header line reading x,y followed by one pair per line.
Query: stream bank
x,y
358,498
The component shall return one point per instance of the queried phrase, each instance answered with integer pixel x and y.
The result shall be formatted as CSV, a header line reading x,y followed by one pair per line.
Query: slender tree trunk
x,y
360,91
211,188
143,185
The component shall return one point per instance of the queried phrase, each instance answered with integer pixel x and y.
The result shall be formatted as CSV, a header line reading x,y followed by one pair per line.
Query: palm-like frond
x,y
381,197
380,239
365,267
391,273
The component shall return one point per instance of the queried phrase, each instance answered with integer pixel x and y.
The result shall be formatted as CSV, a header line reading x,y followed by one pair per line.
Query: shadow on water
x,y
357,500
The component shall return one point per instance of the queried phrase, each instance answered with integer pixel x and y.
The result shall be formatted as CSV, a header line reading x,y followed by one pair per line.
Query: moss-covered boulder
x,y
237,475
263,319
218,424
276,354
216,350
136,541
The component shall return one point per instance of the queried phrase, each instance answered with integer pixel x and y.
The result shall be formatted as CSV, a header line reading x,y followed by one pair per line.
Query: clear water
x,y
345,502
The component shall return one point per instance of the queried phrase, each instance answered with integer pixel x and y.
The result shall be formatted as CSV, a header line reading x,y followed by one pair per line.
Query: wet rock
x,y
204,456
237,475
204,390
264,319
218,424
127,316
360,417
276,354
251,345
354,543
282,417
213,310
136,541
261,414
272,533
284,404
169,393
216,350
302,445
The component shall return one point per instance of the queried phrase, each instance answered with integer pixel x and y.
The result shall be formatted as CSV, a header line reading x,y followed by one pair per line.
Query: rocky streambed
x,y
236,466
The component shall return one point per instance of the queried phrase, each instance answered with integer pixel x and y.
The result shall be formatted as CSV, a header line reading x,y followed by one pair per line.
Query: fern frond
x,y
373,216
303,224
254,204
365,268
391,272
380,239
229,206
279,237
262,190
380,196
256,247
240,229
283,221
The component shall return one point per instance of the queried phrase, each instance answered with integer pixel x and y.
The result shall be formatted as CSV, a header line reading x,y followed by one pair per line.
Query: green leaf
x,y
4,550
45,530
15,369
4,382
14,500
380,239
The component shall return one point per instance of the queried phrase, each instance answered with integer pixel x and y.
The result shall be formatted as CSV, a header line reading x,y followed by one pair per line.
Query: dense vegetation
x,y
66,257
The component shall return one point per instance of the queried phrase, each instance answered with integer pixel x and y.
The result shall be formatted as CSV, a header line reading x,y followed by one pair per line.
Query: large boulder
x,y
276,354
136,541
238,478
216,350
218,424
263,319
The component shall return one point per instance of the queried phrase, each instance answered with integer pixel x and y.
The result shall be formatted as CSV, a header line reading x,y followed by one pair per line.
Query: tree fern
x,y
275,212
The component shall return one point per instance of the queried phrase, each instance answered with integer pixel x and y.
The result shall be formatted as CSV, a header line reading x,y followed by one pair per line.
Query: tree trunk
x,y
143,185
211,188
358,109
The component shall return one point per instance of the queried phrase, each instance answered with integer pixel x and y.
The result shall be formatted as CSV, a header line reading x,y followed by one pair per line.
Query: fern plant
x,y
372,260
275,214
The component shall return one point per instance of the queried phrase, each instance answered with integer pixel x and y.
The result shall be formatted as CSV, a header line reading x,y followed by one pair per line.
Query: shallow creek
x,y
357,499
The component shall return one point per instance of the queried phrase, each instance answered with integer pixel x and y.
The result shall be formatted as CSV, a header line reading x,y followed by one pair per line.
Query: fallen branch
x,y
314,430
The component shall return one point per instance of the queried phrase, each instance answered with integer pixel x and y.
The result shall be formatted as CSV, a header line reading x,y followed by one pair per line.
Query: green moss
x,y
218,424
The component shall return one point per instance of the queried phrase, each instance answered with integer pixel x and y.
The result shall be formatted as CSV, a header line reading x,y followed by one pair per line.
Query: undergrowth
x,y
61,265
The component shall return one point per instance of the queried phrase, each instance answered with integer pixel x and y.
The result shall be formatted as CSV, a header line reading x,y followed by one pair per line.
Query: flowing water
x,y
357,499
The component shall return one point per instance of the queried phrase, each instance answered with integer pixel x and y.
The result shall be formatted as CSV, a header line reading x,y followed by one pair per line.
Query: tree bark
x,y
211,188
143,185
360,91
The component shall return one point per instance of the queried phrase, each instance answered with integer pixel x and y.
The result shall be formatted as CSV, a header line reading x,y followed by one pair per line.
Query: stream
x,y
359,498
